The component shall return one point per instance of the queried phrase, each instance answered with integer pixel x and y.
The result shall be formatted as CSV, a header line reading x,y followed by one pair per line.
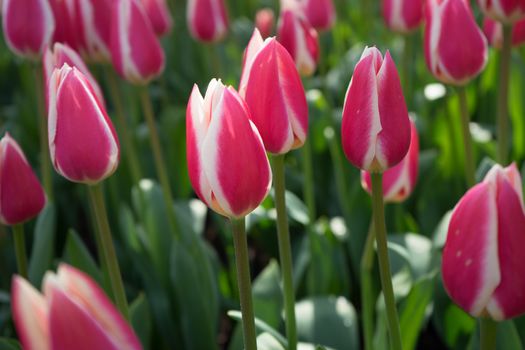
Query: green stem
x,y
130,152
244,282
96,197
367,296
285,250
503,107
20,249
470,175
489,330
160,165
45,162
384,265
308,183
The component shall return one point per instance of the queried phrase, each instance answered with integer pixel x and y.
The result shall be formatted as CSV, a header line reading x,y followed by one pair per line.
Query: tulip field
x,y
262,174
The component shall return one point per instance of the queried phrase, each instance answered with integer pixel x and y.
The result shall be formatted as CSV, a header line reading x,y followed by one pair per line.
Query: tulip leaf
x,y
141,319
261,326
43,247
78,255
267,341
9,344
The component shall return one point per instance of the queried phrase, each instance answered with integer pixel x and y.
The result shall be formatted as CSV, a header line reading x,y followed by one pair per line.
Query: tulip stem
x,y
308,182
131,154
108,253
160,165
384,264
244,282
470,174
503,107
489,330
367,300
285,250
45,162
20,249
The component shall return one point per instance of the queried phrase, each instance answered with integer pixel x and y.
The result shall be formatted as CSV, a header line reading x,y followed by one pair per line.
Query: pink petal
x,y
403,15
264,22
507,11
207,19
159,15
320,13
255,44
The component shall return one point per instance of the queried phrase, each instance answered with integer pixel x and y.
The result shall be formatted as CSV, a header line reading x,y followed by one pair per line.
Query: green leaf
x,y
507,337
266,341
9,344
328,321
76,254
43,247
141,319
261,326
415,249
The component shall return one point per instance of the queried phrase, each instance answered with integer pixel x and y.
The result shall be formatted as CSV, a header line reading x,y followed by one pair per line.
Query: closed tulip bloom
x,y
482,265
455,47
159,15
207,19
21,195
28,26
72,313
375,128
264,21
506,11
494,32
227,164
82,141
135,50
94,18
67,29
320,13
403,16
272,89
399,181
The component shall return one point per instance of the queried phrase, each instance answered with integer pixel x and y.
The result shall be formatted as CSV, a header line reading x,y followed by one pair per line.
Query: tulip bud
x,y
375,128
207,19
21,195
62,54
264,22
82,141
159,15
482,265
455,48
45,321
506,11
320,13
94,21
399,181
227,163
67,29
403,16
272,89
494,33
135,50
28,26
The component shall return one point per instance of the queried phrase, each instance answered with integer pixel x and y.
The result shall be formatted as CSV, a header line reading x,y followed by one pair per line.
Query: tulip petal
x,y
207,19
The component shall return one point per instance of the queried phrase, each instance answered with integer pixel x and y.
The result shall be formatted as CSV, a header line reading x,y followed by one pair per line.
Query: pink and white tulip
x,y
82,140
67,27
227,163
298,36
403,16
21,195
264,22
207,19
455,47
159,15
482,265
44,321
272,89
320,13
399,181
136,52
94,23
375,128
28,26
506,11
494,32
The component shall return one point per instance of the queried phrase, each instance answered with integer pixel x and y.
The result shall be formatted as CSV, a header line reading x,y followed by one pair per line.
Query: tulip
x,y
94,20
506,11
403,16
455,47
399,181
264,21
28,26
482,266
227,163
375,128
82,141
135,50
272,89
21,195
67,29
72,313
494,32
207,19
320,13
61,54
297,35
159,15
